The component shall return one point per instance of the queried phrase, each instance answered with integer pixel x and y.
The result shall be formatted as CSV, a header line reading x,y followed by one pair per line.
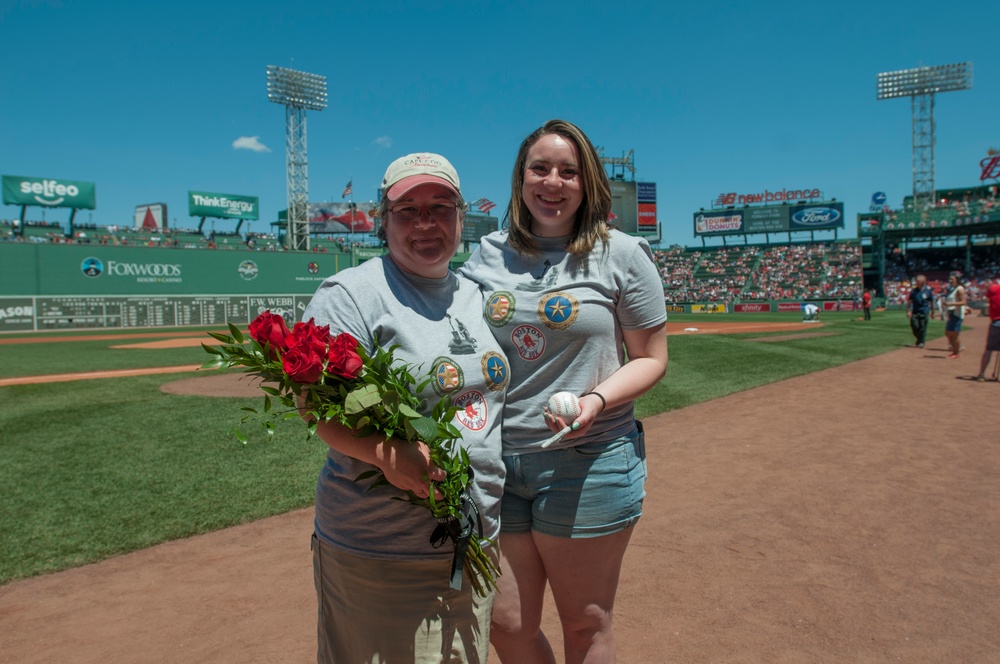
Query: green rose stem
x,y
366,393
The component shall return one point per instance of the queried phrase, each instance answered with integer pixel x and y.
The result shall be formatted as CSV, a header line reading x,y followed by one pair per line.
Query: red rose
x,y
302,364
343,359
270,329
311,336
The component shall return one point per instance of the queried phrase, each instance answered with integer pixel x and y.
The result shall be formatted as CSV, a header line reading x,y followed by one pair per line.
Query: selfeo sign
x,y
21,190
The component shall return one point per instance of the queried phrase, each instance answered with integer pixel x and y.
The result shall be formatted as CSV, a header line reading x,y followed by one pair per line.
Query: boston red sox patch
x,y
472,411
529,340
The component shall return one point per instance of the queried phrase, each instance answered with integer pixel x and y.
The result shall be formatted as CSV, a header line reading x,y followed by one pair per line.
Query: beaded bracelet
x,y
604,403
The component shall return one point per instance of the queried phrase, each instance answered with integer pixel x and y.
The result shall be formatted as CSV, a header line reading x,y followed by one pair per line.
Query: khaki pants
x,y
392,612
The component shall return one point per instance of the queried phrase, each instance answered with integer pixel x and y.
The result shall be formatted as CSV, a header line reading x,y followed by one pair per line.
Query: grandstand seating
x,y
817,270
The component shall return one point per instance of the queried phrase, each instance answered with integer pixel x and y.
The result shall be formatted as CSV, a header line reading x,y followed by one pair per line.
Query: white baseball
x,y
565,405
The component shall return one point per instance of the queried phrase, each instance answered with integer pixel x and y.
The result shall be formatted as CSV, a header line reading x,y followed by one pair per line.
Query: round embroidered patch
x,y
472,411
495,371
529,340
499,308
558,310
448,376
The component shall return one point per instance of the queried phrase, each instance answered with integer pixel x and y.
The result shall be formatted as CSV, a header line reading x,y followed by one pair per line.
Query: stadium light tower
x,y
920,85
298,92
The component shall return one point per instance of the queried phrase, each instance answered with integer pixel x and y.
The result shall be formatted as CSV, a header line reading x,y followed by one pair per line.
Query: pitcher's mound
x,y
216,385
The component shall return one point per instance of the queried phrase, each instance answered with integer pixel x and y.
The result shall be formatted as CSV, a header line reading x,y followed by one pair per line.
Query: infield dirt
x,y
850,515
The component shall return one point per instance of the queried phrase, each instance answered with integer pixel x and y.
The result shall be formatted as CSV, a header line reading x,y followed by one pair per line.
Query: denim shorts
x,y
954,323
593,489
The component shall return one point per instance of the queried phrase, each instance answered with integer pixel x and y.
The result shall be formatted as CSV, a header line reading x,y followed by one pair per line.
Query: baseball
x,y
565,405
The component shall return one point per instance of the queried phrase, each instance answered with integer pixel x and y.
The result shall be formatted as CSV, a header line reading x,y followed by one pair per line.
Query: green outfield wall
x,y
47,286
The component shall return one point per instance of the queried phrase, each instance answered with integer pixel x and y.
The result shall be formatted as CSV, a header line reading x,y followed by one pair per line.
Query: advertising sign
x,y
708,308
752,307
729,222
47,192
766,219
789,306
633,207
223,206
152,217
821,216
770,219
646,200
785,195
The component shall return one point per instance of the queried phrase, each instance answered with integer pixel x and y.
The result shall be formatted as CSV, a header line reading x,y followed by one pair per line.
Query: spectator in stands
x,y
993,338
918,309
955,304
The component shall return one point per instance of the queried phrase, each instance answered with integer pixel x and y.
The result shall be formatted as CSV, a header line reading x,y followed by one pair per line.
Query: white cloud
x,y
383,142
250,143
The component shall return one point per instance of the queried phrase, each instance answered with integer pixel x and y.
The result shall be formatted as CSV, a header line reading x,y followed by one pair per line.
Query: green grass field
x,y
95,468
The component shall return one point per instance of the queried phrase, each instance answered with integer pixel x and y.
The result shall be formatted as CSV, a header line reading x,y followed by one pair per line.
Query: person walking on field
x,y
918,308
993,338
955,304
866,304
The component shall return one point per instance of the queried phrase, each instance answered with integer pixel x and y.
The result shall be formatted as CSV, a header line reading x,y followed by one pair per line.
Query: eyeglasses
x,y
441,212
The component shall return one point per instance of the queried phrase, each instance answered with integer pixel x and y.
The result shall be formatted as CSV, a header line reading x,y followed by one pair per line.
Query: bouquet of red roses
x,y
338,381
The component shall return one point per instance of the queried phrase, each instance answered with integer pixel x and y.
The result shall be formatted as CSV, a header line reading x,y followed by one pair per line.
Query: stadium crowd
x,y
823,270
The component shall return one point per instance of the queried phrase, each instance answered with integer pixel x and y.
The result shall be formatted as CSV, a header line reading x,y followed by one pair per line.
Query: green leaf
x,y
214,364
267,404
218,336
364,397
214,350
235,331
409,412
425,427
239,435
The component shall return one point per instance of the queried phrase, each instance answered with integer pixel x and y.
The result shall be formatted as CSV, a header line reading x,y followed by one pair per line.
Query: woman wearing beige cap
x,y
383,588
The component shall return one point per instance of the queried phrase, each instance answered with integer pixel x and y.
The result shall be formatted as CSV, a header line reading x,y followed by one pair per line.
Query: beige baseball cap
x,y
416,169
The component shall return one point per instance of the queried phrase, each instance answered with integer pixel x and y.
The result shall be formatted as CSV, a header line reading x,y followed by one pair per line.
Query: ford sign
x,y
816,216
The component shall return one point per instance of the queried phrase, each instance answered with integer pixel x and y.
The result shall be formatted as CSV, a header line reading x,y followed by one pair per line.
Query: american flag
x,y
484,204
348,189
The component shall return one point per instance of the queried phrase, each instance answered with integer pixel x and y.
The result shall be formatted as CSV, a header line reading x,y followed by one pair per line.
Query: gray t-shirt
x,y
559,319
438,326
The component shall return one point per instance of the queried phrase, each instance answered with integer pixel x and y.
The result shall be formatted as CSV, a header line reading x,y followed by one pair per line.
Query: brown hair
x,y
591,219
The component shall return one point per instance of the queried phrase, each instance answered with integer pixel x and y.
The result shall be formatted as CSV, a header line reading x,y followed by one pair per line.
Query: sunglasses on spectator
x,y
440,212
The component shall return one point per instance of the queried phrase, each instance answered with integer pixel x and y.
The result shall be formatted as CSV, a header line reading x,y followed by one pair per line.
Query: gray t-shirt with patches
x,y
559,319
438,326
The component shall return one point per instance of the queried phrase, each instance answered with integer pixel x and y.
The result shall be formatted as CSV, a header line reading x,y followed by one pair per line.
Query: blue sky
x,y
147,99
